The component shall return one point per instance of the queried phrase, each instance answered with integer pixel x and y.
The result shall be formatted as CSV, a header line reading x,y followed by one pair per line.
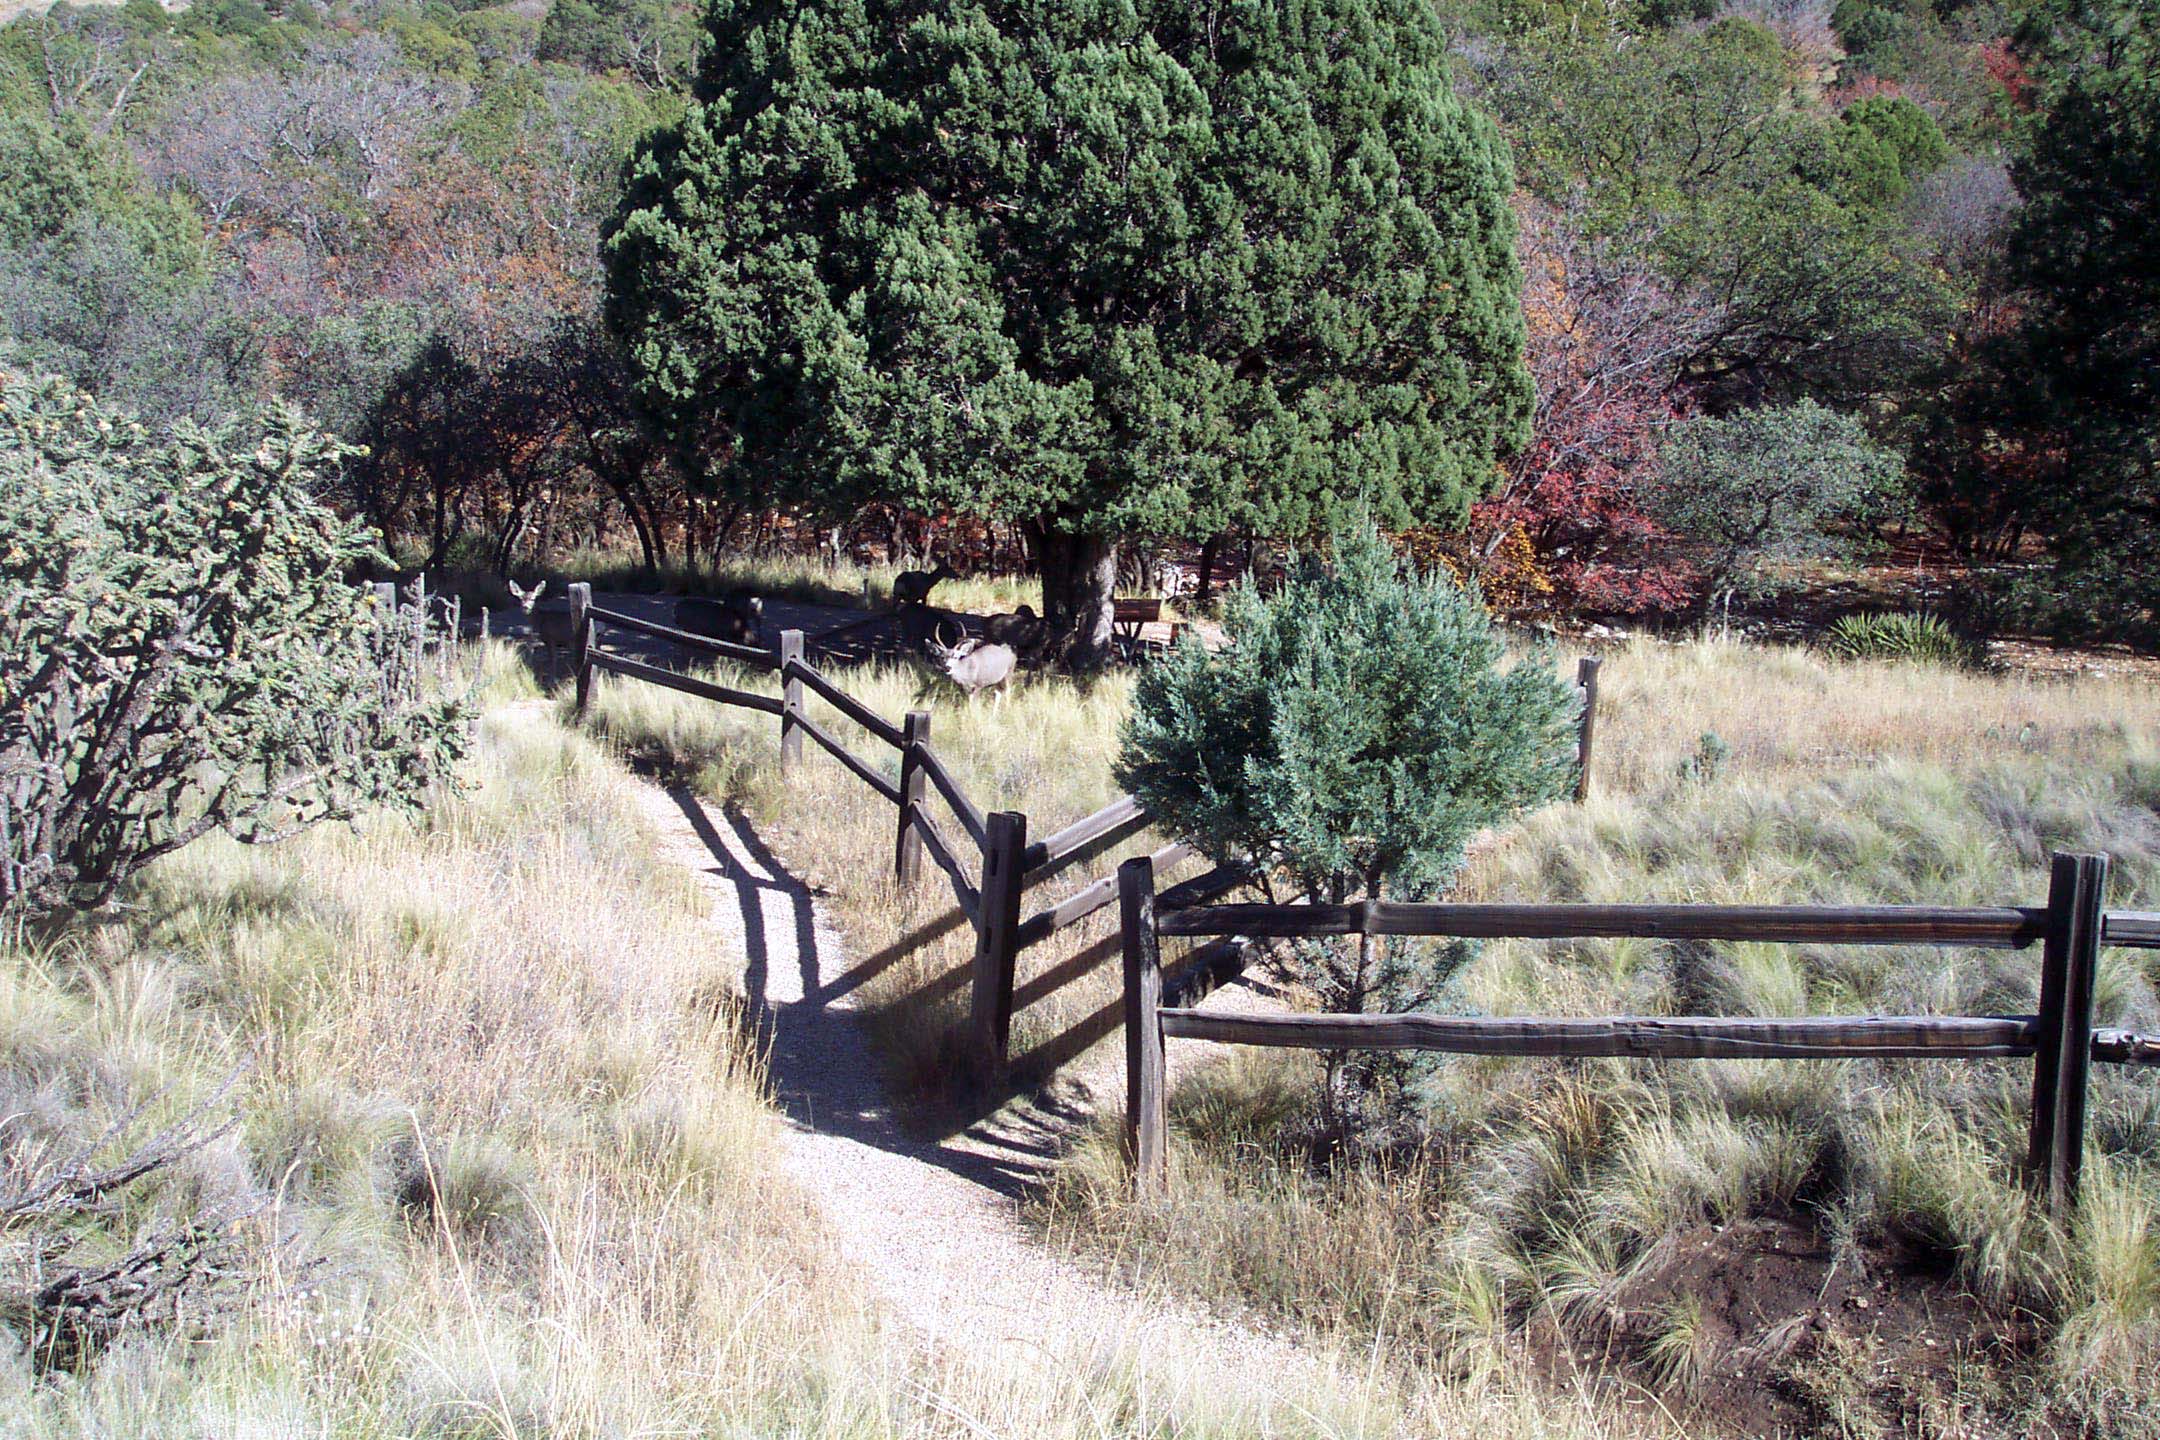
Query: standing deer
x,y
913,587
973,665
550,624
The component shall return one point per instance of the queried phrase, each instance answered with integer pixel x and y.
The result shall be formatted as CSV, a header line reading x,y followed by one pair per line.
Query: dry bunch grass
x,y
497,1081
1725,773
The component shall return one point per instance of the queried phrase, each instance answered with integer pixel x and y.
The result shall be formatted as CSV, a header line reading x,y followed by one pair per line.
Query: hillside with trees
x,y
616,276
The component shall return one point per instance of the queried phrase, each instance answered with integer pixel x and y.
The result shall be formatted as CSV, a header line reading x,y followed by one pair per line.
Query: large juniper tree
x,y
1097,267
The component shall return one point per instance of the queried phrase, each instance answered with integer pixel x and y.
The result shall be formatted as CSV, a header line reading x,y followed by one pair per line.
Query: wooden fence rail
x,y
2007,928
749,655
673,680
2061,1040
988,887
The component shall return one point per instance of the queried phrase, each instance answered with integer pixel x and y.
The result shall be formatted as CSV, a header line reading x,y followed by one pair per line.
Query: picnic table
x,y
1129,616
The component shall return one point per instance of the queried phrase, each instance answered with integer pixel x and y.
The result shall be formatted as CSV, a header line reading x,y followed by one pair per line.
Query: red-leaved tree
x,y
1607,337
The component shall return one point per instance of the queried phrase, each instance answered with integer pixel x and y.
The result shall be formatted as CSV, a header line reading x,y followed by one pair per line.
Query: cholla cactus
x,y
181,648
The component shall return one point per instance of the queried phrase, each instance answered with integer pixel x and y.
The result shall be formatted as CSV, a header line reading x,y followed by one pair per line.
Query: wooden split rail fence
x,y
2061,1039
989,861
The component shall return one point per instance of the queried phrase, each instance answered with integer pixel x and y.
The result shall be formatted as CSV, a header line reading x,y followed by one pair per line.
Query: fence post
x,y
581,641
1145,1124
990,1017
1586,673
907,844
2077,891
791,701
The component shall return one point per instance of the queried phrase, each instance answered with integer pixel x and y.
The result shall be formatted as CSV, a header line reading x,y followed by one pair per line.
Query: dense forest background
x,y
1934,217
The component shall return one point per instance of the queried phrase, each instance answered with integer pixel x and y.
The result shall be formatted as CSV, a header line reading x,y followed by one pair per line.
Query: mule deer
x,y
551,624
734,618
913,587
973,665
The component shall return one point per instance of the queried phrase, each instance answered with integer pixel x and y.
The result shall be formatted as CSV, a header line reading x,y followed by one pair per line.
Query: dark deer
x,y
913,587
734,618
1022,630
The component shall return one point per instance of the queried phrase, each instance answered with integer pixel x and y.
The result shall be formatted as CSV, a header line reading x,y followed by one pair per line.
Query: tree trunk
x,y
439,530
1079,575
648,541
506,542
1207,568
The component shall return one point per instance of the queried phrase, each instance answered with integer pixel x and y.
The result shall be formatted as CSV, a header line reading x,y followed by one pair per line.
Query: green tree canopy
x,y
1094,268
1910,132
101,277
2083,374
1777,483
1691,146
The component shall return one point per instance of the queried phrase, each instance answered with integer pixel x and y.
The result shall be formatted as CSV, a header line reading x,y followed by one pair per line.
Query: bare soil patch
x,y
1786,1338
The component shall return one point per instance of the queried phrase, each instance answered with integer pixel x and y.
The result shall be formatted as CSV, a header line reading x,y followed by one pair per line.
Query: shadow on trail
x,y
825,1076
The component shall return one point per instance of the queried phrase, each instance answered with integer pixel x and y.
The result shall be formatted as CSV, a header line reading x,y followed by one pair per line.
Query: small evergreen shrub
x,y
1712,750
1905,635
1358,729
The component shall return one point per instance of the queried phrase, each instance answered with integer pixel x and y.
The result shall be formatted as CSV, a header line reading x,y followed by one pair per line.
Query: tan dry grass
x,y
1794,714
514,999
1825,781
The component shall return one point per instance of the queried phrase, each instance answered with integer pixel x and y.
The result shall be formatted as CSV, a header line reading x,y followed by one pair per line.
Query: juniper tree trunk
x,y
1207,566
1079,577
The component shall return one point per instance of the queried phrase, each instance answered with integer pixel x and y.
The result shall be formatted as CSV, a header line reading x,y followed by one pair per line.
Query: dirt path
x,y
933,1223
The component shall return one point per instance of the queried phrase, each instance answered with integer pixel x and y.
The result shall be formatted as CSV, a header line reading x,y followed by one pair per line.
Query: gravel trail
x,y
933,1224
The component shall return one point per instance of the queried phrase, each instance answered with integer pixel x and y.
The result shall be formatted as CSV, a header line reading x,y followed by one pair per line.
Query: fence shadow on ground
x,y
823,1077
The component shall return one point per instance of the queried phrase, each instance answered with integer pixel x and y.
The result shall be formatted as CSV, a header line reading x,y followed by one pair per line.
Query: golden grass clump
x,y
450,1037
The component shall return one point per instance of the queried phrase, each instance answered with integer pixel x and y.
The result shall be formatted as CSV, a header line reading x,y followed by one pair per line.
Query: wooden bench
x,y
1128,616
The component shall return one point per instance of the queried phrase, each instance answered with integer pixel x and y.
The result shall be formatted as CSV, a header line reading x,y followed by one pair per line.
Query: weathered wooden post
x,y
907,843
1586,674
791,699
1146,1127
386,599
2070,955
990,1017
581,641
